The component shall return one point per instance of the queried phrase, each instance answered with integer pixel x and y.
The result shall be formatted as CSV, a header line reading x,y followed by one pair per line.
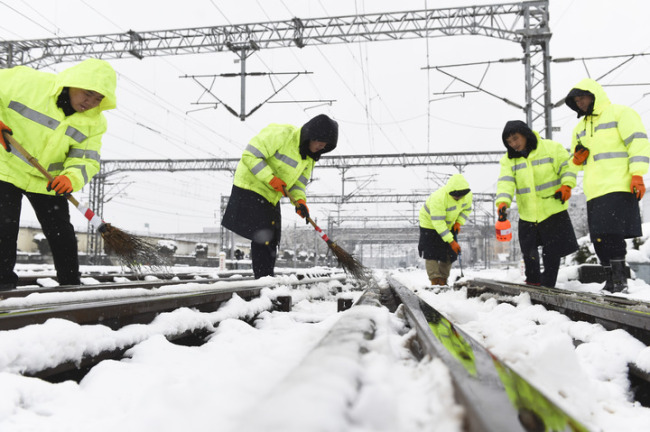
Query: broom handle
x,y
95,220
316,227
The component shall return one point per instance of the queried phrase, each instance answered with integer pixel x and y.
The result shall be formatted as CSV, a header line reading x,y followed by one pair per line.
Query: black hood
x,y
571,103
320,128
517,126
63,102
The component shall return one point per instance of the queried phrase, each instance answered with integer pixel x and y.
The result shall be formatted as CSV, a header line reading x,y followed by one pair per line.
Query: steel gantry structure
x,y
525,23
458,160
341,162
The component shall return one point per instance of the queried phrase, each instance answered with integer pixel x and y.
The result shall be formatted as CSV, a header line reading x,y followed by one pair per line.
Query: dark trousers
x,y
263,256
608,246
54,216
551,267
529,240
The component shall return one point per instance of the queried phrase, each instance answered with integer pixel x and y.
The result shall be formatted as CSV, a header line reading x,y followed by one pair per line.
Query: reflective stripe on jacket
x,y
617,142
441,211
274,152
534,180
62,145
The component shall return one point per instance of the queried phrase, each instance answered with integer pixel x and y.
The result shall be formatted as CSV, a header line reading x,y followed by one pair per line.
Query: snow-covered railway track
x,y
115,310
108,284
36,280
118,304
612,312
27,284
118,312
494,396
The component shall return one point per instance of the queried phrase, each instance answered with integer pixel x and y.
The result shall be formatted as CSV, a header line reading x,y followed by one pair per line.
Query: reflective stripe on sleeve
x,y
259,167
34,115
255,151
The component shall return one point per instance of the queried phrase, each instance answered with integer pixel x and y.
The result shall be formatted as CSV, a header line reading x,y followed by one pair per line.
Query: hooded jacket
x,y
441,211
68,145
283,151
533,175
616,138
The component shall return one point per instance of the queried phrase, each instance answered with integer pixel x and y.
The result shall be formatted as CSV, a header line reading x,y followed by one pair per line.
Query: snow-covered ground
x,y
265,377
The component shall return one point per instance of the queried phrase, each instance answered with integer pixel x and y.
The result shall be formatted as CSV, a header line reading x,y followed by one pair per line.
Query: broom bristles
x,y
349,263
132,251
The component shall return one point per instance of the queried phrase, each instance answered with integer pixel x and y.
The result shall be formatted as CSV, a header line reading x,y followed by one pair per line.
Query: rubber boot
x,y
619,278
609,284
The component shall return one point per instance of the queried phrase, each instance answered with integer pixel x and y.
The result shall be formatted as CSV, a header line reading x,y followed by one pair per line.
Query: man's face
x,y
517,142
316,146
83,100
583,102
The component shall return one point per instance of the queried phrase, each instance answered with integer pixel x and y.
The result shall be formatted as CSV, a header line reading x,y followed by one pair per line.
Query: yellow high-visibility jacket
x,y
441,211
534,180
617,142
274,151
62,145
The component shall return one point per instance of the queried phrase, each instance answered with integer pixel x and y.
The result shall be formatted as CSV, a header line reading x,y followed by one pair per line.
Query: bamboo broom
x,y
349,263
132,251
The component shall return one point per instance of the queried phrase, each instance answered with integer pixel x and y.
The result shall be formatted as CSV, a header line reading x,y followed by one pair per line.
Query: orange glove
x,y
563,193
302,209
4,128
637,187
456,227
455,246
580,154
278,184
503,211
61,185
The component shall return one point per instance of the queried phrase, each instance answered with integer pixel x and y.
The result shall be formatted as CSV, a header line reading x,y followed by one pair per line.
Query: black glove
x,y
503,213
302,210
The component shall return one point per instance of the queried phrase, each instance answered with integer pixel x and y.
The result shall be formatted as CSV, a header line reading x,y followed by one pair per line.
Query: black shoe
x,y
619,277
609,283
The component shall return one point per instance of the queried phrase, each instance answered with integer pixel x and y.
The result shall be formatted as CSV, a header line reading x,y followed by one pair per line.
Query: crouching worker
x,y
536,171
281,157
441,217
59,120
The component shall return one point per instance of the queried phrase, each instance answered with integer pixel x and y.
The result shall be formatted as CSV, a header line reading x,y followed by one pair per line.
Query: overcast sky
x,y
381,93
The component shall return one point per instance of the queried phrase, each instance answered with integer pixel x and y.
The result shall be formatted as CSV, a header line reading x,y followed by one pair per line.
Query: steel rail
x,y
495,396
149,284
140,308
29,284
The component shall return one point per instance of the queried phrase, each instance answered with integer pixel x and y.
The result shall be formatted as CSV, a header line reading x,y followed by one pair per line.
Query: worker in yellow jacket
x,y
281,157
441,217
610,145
59,120
536,172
